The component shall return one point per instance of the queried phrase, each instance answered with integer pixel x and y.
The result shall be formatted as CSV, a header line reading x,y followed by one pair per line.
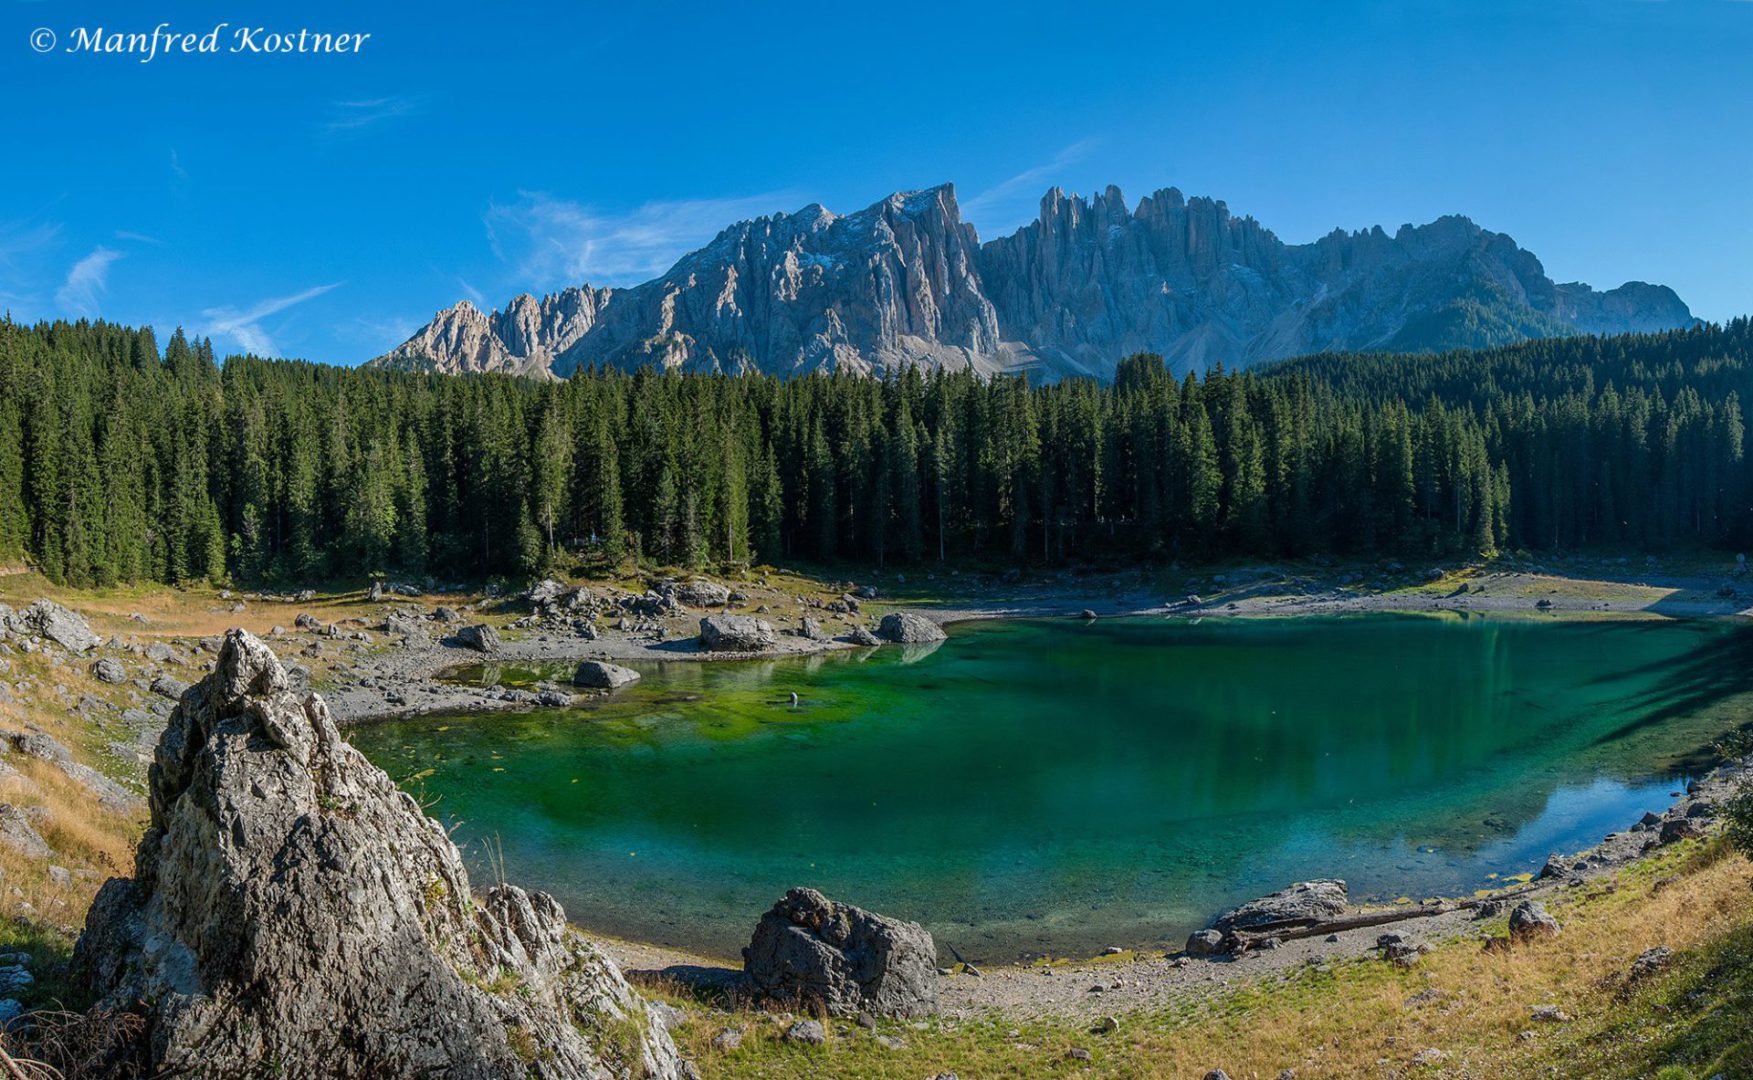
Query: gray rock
x,y
1204,943
1529,921
598,675
160,653
34,744
411,631
61,626
1676,829
906,628
545,592
736,633
807,1032
1554,868
728,1039
306,621
860,635
109,671
1305,902
1650,962
169,686
811,629
292,906
700,593
19,833
811,952
481,637
553,699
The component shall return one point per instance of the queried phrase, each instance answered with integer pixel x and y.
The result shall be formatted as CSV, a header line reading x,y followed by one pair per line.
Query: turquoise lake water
x,y
1057,787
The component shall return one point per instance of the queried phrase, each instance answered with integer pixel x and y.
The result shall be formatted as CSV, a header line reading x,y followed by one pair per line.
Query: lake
x,y
1057,786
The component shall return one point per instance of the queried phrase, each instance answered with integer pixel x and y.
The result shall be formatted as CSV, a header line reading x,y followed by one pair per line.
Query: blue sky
x,y
325,205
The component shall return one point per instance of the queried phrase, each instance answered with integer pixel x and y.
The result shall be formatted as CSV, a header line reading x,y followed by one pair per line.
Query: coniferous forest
x,y
123,461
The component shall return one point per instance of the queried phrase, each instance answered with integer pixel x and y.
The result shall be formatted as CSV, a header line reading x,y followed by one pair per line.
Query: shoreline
x,y
1135,978
364,692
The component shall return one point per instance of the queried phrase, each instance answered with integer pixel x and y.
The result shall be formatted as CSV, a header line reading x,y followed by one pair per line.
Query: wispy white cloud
x,y
379,335
243,325
176,166
472,293
1026,184
356,115
20,239
86,282
139,238
549,241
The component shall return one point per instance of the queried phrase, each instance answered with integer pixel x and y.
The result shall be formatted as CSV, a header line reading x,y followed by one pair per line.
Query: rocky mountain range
x,y
1090,281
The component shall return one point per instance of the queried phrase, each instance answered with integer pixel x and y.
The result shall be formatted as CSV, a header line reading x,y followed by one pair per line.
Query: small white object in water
x,y
794,699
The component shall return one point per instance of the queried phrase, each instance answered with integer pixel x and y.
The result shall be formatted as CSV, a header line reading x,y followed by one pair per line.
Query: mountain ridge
x,y
1089,281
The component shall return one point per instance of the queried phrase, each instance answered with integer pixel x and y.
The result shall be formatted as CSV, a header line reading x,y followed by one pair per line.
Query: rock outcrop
x,y
736,633
1305,902
811,952
1090,281
293,913
906,628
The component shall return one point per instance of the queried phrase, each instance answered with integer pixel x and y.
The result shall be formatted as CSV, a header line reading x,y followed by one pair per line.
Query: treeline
x,y
119,461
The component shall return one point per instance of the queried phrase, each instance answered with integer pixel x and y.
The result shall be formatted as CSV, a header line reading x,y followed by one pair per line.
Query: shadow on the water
x,y
1715,672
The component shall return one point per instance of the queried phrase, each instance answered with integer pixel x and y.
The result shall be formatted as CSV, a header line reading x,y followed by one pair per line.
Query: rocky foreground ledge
x,y
294,914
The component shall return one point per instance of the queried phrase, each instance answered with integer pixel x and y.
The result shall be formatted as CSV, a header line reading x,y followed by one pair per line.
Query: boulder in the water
x,y
597,675
1306,902
906,628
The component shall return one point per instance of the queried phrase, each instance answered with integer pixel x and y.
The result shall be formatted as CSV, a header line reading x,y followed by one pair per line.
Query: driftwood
x,y
1299,928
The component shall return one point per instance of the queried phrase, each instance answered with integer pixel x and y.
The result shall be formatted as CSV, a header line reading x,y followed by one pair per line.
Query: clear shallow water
x,y
1058,787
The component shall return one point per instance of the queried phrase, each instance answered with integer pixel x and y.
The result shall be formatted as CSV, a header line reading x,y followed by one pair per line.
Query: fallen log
x,y
1291,931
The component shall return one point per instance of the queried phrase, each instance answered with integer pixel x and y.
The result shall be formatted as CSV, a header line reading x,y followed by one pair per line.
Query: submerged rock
x,y
1304,902
294,912
597,675
906,628
811,952
736,633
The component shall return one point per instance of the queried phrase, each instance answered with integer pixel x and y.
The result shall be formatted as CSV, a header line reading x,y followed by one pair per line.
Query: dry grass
x,y
1360,1018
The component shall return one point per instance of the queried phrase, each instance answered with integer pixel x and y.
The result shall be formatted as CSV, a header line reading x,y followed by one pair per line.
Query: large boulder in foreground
x,y
736,633
906,628
294,913
1304,903
810,952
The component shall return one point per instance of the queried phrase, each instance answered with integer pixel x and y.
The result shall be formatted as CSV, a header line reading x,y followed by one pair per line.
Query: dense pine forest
x,y
120,461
